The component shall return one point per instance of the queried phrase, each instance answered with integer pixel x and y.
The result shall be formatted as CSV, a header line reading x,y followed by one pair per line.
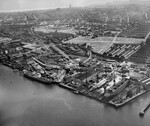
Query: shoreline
x,y
128,100
86,94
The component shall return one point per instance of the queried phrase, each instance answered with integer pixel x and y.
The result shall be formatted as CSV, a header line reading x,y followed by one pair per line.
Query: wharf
x,y
128,100
77,91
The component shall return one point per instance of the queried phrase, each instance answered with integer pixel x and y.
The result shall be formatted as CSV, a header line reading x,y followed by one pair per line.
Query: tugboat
x,y
37,77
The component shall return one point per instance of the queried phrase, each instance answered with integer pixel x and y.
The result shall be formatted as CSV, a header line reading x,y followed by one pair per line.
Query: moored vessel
x,y
37,77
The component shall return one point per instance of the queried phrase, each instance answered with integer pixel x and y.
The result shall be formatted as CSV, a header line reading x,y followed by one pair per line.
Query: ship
x,y
99,84
7,63
3,57
117,89
37,77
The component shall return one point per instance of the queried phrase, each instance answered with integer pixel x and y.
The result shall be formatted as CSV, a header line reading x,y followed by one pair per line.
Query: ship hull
x,y
47,82
120,89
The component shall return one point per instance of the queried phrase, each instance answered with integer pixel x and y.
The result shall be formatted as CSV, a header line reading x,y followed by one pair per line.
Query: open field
x,y
50,29
98,44
101,43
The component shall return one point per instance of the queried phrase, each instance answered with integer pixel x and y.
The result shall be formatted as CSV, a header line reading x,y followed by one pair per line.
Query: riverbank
x,y
26,102
126,101
99,99
88,94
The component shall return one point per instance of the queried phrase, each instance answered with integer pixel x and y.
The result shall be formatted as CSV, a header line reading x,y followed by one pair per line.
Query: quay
x,y
127,101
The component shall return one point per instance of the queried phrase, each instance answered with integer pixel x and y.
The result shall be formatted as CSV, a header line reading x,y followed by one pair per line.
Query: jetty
x,y
144,110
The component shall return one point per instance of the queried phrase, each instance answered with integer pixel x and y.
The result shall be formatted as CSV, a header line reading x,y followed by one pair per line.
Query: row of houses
x,y
122,50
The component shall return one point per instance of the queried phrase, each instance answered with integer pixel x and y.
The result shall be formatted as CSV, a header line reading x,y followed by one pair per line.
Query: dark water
x,y
27,103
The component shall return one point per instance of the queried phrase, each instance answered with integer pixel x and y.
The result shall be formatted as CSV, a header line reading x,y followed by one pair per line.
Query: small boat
x,y
76,92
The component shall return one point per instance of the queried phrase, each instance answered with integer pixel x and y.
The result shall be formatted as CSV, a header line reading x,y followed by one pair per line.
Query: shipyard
x,y
90,52
99,65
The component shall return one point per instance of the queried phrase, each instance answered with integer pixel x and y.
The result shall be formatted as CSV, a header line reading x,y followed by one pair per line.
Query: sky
x,y
21,5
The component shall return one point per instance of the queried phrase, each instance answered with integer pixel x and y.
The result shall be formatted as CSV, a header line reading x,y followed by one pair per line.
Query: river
x,y
27,103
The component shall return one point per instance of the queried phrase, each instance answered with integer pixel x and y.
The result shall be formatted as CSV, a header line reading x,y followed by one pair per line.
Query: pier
x,y
144,110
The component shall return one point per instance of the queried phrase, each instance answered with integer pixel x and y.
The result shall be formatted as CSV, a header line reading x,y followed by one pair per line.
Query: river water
x,y
27,103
